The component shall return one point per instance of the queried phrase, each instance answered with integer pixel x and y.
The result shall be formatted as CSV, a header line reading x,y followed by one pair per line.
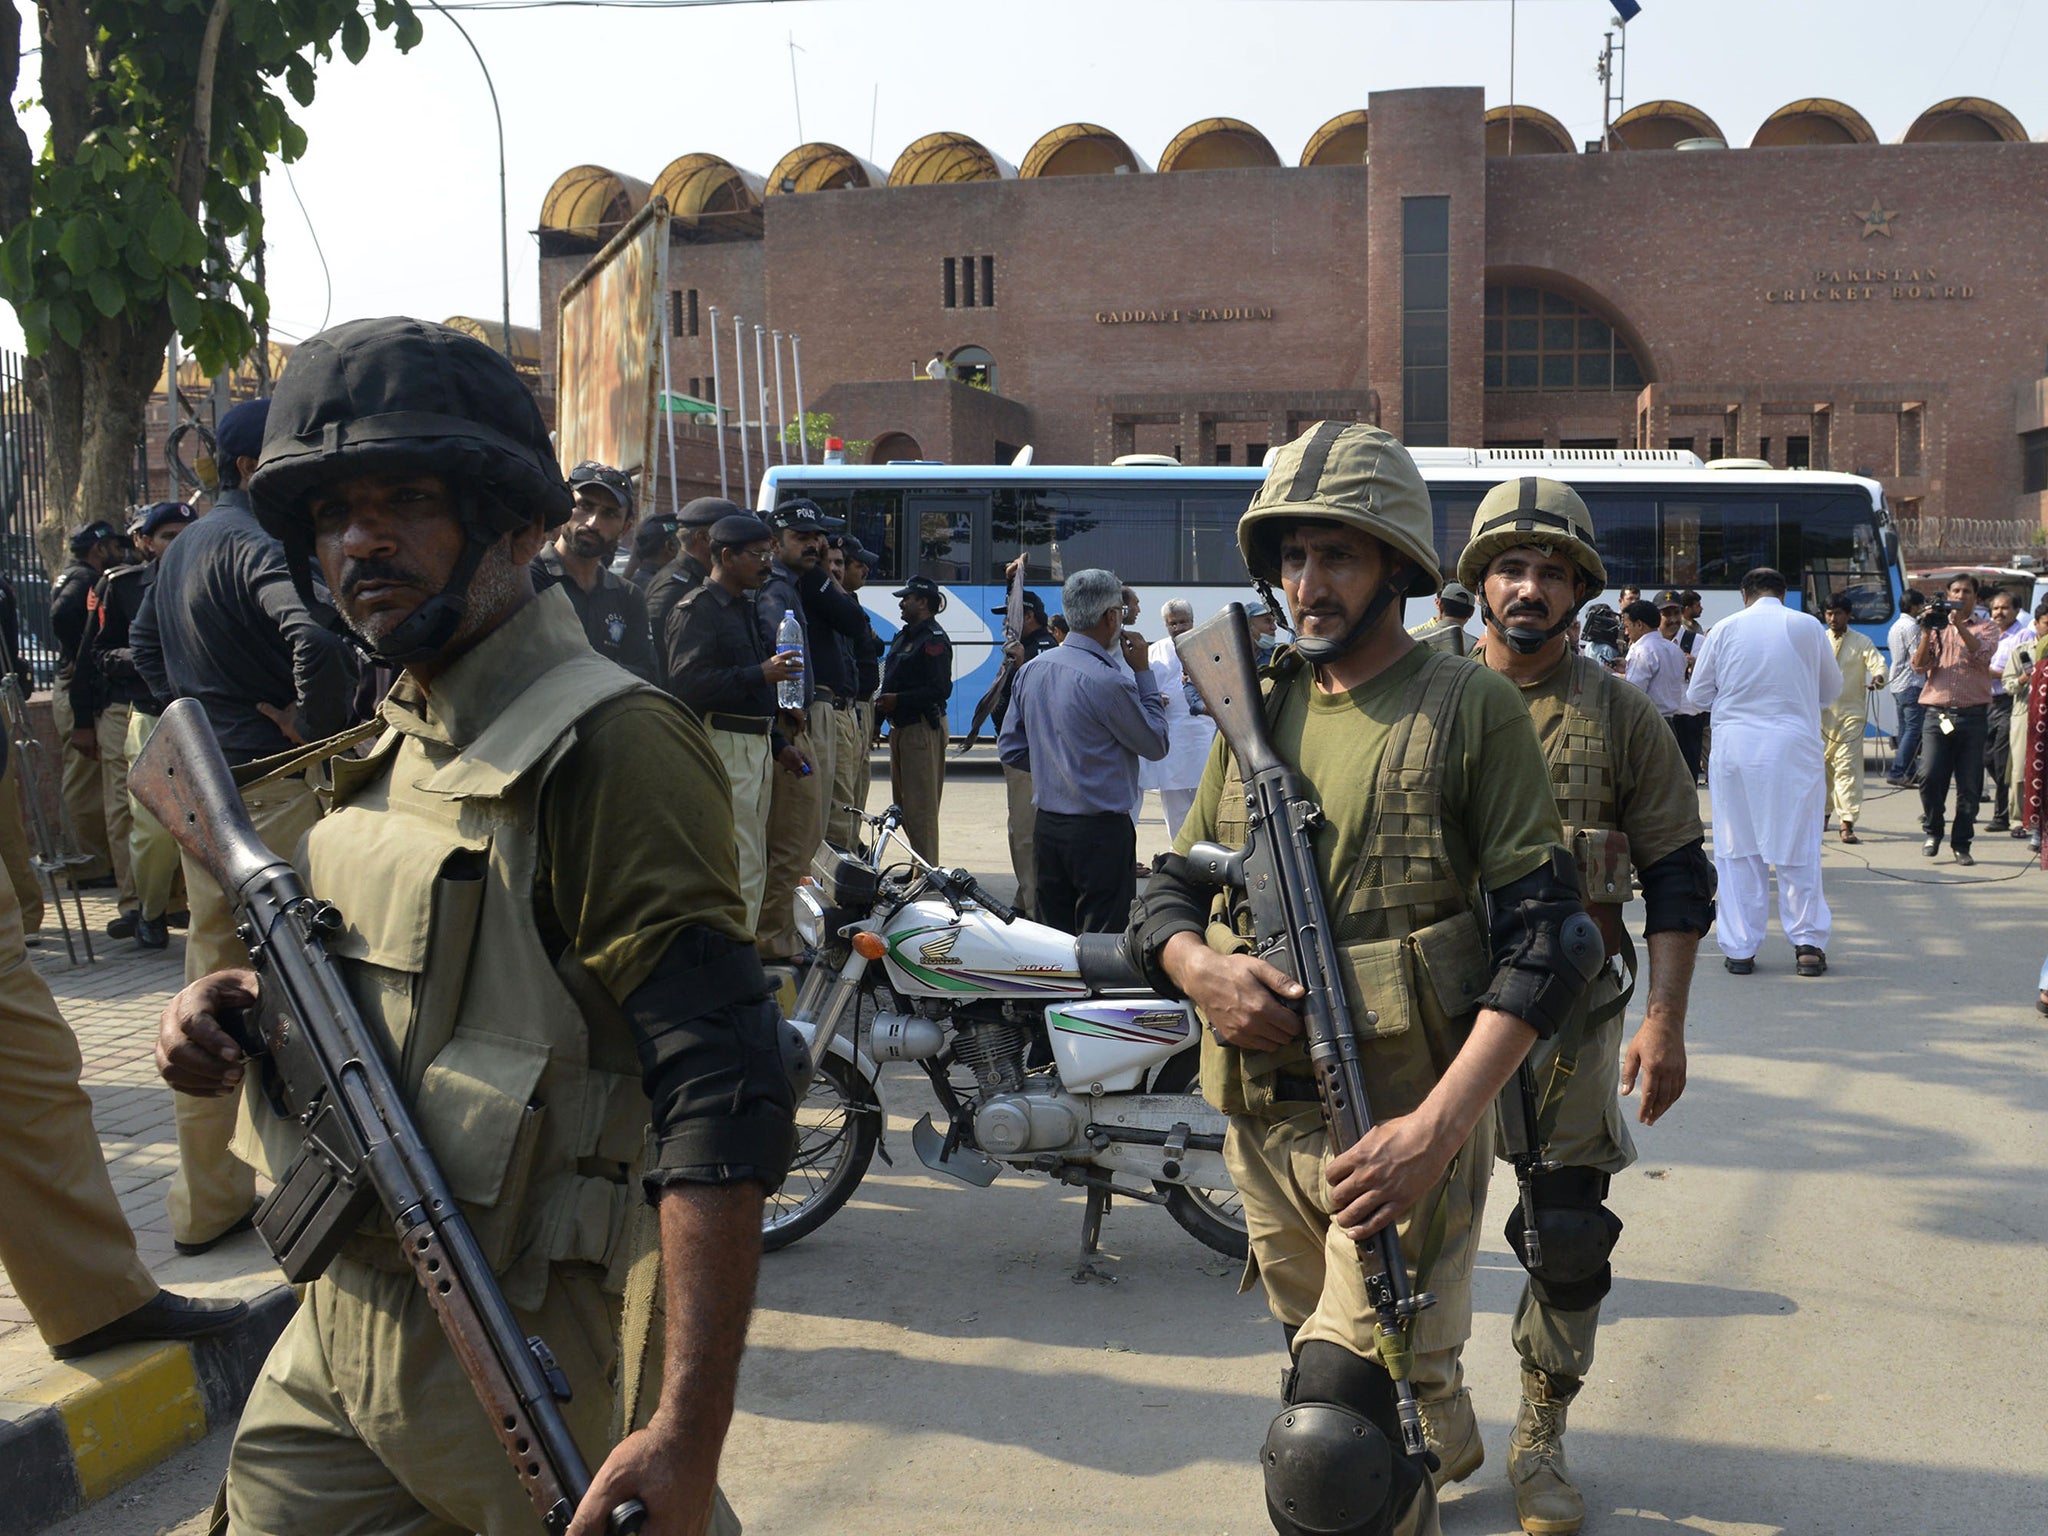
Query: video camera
x,y
1936,614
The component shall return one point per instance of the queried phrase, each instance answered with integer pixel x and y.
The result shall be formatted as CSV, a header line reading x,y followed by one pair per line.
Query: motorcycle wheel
x,y
838,1124
1213,1217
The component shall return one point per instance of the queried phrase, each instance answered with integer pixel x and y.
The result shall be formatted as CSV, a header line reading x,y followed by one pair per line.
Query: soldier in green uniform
x,y
1626,800
1457,912
1446,632
535,863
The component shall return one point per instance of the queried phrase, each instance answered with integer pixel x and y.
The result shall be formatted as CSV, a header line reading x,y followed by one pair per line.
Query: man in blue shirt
x,y
1078,724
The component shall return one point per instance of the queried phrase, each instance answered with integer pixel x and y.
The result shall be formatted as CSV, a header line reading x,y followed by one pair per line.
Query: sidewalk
x,y
71,1433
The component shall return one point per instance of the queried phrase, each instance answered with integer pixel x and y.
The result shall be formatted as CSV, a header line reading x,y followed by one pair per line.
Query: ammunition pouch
x,y
1578,1234
1600,855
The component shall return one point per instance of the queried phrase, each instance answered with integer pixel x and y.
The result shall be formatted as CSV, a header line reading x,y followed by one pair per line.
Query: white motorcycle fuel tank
x,y
935,951
1105,1044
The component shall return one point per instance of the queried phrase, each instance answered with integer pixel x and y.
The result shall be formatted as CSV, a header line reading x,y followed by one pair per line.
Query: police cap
x,y
240,432
616,481
802,515
924,587
738,529
707,510
93,533
1031,600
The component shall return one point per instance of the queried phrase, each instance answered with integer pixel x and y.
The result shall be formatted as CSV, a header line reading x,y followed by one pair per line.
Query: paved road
x,y
1827,1322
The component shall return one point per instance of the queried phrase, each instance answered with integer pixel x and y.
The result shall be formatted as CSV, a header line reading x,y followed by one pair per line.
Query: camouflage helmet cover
x,y
1349,473
1531,511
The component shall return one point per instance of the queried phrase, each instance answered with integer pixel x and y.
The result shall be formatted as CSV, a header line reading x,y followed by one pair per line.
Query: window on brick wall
x,y
1682,444
1539,340
968,282
2034,461
1911,431
1799,452
1717,448
1425,321
691,306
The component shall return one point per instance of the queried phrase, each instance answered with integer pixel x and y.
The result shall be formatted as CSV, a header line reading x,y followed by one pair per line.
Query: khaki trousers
x,y
84,802
362,1424
152,852
1841,739
864,766
111,730
747,770
796,825
1023,818
849,758
65,1244
1312,1275
917,779
2017,771
15,852
213,1189
1591,1131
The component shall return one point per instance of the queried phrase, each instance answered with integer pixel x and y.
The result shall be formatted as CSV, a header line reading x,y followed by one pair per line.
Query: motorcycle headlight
x,y
810,916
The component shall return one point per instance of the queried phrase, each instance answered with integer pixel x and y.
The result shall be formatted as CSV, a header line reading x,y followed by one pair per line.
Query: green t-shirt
x,y
1499,819
1659,805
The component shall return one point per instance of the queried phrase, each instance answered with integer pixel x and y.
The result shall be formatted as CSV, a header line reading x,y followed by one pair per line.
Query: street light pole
x,y
504,212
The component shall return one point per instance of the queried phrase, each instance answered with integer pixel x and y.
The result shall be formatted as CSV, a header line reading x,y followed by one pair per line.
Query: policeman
x,y
867,664
535,864
96,548
1036,637
837,624
1626,799
1458,918
722,669
691,566
1446,631
613,614
917,680
128,713
657,543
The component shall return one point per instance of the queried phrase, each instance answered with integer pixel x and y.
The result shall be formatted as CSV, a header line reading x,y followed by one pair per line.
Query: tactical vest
x,y
1580,752
1416,960
522,1075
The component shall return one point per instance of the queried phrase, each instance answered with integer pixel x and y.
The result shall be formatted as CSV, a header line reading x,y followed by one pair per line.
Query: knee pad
x,y
1331,1459
1578,1233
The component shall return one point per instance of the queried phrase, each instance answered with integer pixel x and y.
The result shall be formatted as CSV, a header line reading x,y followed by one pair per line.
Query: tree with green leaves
x,y
138,215
815,427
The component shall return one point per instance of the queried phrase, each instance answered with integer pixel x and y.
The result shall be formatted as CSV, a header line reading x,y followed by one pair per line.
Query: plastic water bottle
x,y
789,638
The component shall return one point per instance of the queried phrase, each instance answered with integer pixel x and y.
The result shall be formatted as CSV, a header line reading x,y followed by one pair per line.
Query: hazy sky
x,y
400,180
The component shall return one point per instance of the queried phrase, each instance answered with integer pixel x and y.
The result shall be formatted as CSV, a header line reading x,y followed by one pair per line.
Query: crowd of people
x,y
564,832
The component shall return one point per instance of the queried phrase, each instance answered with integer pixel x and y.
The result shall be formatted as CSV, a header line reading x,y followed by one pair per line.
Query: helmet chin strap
x,y
1320,653
427,630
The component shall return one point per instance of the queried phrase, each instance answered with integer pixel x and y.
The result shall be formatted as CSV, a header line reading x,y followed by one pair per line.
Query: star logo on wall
x,y
1878,220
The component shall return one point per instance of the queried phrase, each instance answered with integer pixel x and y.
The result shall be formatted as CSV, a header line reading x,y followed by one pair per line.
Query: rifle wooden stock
x,y
1276,872
324,1068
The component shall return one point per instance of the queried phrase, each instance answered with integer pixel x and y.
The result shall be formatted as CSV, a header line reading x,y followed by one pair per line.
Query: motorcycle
x,y
1049,1054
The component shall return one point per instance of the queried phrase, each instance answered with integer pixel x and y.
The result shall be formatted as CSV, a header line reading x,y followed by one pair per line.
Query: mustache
x,y
1527,610
356,574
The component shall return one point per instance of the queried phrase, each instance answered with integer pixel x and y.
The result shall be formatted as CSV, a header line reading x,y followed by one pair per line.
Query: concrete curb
x,y
87,1427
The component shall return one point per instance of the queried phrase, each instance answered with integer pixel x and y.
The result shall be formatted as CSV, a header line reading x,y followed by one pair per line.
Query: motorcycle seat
x,y
1105,966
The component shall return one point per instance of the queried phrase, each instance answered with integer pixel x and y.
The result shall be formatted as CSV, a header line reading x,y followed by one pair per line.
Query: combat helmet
x,y
1357,475
1543,514
402,396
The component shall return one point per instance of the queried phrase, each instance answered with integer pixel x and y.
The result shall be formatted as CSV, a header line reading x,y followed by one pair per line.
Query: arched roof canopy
x,y
1965,120
591,201
821,167
700,186
1536,133
1814,121
1218,144
1340,141
1079,149
940,158
1664,125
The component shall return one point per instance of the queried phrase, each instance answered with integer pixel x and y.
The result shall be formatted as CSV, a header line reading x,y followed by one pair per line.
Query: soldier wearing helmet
x,y
1436,813
536,864
1626,801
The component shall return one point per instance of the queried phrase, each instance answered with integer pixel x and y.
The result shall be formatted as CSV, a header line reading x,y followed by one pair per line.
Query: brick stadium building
x,y
1458,275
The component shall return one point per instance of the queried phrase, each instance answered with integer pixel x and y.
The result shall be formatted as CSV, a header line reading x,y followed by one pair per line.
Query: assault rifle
x,y
324,1070
1276,872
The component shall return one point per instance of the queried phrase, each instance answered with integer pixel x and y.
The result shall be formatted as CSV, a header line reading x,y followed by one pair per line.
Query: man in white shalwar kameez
x,y
1189,736
1767,673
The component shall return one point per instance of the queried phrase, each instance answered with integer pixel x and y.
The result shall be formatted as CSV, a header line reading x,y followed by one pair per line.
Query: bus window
x,y
1714,543
944,528
1019,521
1625,532
1132,532
1452,507
1208,538
874,518
1840,550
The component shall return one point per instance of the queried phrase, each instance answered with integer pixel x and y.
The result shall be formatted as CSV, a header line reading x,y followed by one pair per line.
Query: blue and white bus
x,y
1665,519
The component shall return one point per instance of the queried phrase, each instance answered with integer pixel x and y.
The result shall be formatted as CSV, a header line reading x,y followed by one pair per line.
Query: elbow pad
x,y
1546,951
1171,902
1678,891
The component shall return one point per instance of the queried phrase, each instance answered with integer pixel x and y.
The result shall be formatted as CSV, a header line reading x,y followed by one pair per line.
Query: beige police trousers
x,y
152,852
65,1244
362,1424
917,780
213,1189
796,825
748,766
110,729
80,788
849,766
1023,818
15,851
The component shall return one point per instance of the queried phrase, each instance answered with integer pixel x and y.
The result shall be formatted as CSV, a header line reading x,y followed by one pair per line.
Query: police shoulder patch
x,y
935,647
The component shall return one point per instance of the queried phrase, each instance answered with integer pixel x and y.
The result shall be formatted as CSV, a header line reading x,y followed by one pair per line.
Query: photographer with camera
x,y
1954,654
